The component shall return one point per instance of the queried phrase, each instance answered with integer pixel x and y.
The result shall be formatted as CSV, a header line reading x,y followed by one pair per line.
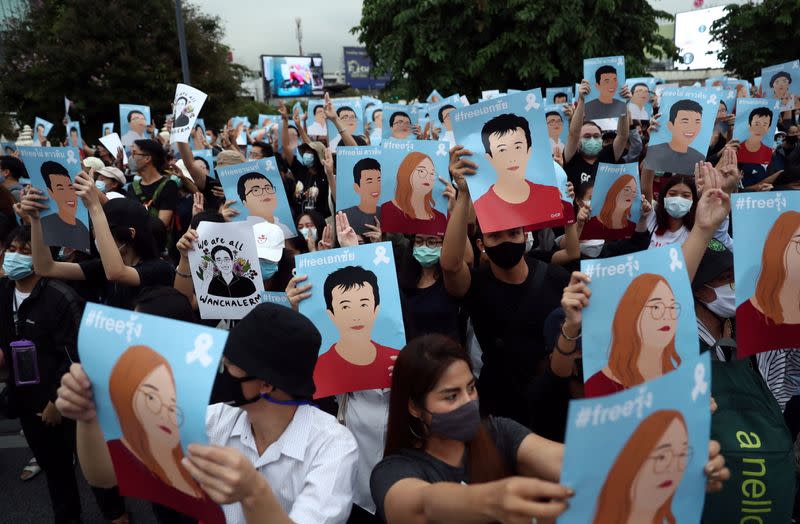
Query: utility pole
x,y
182,42
299,33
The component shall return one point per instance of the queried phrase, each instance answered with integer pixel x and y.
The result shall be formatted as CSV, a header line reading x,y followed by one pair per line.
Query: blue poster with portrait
x,y
201,123
52,170
316,122
355,304
515,183
766,263
398,120
74,138
41,128
755,124
257,188
606,75
151,380
434,97
207,156
358,185
557,127
133,122
490,94
412,196
642,90
8,148
782,82
350,113
241,124
616,202
654,451
440,118
294,136
647,301
557,95
108,128
684,132
373,122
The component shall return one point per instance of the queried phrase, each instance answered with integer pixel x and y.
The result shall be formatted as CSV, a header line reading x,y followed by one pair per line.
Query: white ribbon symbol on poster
x,y
202,344
269,165
530,102
441,151
380,256
674,264
71,157
712,99
700,385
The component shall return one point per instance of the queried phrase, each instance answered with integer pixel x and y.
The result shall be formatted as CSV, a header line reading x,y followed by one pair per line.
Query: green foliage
x,y
103,53
465,46
758,35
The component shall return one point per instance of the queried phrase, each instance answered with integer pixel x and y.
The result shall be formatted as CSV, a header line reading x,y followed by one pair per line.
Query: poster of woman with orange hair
x,y
655,444
616,203
646,299
414,182
767,271
151,395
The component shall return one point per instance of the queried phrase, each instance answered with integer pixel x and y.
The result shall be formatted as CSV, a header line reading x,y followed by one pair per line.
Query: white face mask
x,y
528,241
724,306
592,248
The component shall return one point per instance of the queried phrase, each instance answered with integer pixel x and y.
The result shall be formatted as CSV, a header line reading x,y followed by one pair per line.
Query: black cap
x,y
125,213
277,345
716,260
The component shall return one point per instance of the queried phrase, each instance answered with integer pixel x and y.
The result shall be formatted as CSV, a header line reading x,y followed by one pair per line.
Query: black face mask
x,y
790,141
506,254
228,389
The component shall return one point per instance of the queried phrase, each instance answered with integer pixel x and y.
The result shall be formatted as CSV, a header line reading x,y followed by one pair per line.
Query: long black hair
x,y
662,217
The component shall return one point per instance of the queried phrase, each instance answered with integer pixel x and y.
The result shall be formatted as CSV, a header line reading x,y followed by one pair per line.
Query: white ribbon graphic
x,y
269,166
712,99
674,264
202,344
700,385
441,151
530,102
380,256
71,157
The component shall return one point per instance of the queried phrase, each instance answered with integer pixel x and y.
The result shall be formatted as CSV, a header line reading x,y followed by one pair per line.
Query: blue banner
x,y
358,71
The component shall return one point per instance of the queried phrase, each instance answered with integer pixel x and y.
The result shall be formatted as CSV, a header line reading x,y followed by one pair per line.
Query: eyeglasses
x,y
347,118
260,190
627,191
666,457
155,405
424,173
403,123
659,309
431,242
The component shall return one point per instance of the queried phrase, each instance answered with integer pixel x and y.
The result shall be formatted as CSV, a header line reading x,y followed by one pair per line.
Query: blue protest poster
x,y
757,83
294,135
556,95
515,184
52,170
74,138
275,297
359,185
606,75
654,450
350,113
616,202
257,188
199,122
41,128
151,379
755,124
766,262
398,120
440,118
133,122
315,125
434,97
241,124
8,148
557,126
646,299
267,120
490,94
207,156
412,196
684,134
373,119
642,89
108,128
782,82
298,109
355,304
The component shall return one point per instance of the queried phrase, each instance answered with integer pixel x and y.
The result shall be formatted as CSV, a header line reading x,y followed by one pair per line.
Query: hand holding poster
x,y
52,171
350,114
185,109
108,128
558,95
359,181
355,302
225,270
557,127
440,118
655,447
133,122
647,300
767,271
151,381
399,121
113,143
515,184
616,202
605,75
41,128
74,138
782,82
642,89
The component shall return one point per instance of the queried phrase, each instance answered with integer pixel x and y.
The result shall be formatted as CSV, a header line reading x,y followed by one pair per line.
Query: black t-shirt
x,y
167,199
580,171
430,310
418,464
154,272
303,174
212,202
508,321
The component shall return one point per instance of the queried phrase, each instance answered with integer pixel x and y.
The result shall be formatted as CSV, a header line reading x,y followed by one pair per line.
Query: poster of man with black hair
x,y
367,185
604,101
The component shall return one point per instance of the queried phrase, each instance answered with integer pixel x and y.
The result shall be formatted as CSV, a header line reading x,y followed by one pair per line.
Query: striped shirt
x,y
310,468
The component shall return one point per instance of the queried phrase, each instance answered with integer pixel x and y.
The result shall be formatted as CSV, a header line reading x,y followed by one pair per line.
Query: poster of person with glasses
x,y
399,121
656,441
616,202
151,394
646,298
257,189
350,114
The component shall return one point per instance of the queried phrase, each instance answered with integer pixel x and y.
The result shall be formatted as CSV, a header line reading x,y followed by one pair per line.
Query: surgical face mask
x,y
461,424
132,163
528,241
506,254
724,306
592,248
268,268
677,207
308,159
778,142
588,202
427,256
99,184
17,266
591,146
309,233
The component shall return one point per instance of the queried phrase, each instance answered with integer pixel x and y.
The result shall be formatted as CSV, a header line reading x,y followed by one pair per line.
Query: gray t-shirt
x,y
662,158
595,109
358,219
56,232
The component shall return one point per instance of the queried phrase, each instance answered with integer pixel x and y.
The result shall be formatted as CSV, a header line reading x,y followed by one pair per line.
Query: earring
x,y
414,432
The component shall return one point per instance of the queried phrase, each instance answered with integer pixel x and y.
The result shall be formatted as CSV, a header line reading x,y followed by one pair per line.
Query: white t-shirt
x,y
20,297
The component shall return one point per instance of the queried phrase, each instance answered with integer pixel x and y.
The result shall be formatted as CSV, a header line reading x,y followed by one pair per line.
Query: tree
x,y
467,45
758,35
100,53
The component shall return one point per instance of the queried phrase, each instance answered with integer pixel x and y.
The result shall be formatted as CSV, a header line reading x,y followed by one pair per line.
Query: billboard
x,y
358,70
292,76
693,39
